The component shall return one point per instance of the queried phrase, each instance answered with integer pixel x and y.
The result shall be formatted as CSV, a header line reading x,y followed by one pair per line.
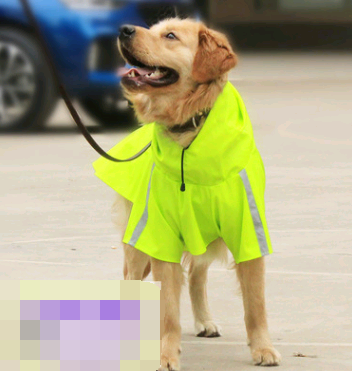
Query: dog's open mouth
x,y
142,74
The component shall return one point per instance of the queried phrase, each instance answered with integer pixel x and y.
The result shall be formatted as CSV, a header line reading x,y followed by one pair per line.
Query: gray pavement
x,y
55,215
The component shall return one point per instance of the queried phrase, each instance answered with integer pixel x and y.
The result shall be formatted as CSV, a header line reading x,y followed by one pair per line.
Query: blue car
x,y
81,35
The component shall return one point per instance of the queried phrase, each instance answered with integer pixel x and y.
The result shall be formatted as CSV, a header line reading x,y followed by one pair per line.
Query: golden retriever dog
x,y
194,62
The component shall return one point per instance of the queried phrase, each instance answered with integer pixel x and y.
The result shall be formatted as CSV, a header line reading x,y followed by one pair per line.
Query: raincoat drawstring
x,y
183,185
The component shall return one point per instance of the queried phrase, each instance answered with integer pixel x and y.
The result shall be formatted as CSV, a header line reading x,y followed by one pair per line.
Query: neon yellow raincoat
x,y
224,184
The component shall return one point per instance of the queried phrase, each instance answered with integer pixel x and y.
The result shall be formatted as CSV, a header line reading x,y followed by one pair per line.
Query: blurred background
x,y
81,35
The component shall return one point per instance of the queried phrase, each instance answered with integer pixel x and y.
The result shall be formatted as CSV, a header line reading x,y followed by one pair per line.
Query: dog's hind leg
x,y
197,276
136,264
251,276
171,277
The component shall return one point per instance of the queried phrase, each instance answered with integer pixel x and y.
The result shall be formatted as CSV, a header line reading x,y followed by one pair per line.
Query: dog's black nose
x,y
127,31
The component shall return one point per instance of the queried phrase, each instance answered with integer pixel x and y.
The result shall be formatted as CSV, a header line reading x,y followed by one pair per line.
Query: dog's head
x,y
171,60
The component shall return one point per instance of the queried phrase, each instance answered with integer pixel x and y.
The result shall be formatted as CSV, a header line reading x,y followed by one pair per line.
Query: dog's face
x,y
173,52
180,68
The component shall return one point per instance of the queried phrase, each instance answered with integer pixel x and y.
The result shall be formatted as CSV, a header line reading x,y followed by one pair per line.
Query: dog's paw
x,y
266,357
208,330
169,364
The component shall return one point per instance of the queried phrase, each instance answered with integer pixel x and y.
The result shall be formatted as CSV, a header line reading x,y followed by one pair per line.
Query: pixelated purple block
x,y
129,330
90,349
92,366
50,350
70,330
70,365
110,309
70,310
30,310
90,309
109,330
109,365
110,350
130,309
90,330
70,350
50,309
49,330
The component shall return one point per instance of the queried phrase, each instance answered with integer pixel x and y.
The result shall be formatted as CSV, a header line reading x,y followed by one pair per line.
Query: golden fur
x,y
202,58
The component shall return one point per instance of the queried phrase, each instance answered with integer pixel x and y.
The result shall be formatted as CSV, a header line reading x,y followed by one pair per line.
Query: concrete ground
x,y
55,215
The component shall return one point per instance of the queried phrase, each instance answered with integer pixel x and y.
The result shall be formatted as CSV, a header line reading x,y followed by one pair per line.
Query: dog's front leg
x,y
251,275
171,277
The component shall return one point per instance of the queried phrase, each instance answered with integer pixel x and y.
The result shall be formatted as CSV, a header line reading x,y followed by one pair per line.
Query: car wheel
x,y
27,92
108,111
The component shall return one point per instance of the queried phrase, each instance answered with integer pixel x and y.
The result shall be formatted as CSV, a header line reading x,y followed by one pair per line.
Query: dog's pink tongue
x,y
145,71
123,71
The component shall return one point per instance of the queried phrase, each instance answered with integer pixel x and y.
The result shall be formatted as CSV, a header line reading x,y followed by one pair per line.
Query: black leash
x,y
33,22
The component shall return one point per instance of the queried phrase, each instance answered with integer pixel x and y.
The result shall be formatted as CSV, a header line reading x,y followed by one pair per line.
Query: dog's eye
x,y
171,36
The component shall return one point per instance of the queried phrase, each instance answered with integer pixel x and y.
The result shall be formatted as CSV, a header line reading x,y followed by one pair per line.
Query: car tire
x,y
104,110
27,91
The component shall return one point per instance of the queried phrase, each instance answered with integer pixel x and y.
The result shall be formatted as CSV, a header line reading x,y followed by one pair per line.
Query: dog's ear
x,y
214,56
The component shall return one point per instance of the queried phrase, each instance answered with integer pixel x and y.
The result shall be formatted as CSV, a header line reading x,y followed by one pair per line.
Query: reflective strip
x,y
258,225
144,218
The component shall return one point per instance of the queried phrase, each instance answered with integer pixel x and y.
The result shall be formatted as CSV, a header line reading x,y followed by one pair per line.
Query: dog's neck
x,y
171,110
185,133
191,125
